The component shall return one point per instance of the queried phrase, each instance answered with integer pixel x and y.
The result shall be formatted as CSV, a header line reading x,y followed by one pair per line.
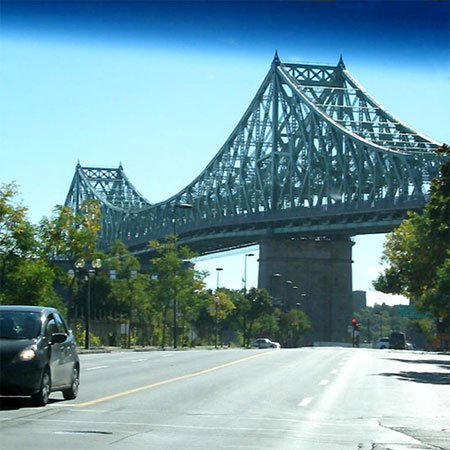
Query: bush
x,y
80,337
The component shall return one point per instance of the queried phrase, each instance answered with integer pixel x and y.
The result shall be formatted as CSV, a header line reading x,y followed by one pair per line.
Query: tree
x,y
175,285
220,307
418,253
68,236
298,324
129,288
25,277
71,234
260,304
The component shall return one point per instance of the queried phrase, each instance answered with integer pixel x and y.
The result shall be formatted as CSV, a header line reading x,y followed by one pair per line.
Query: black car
x,y
397,341
37,354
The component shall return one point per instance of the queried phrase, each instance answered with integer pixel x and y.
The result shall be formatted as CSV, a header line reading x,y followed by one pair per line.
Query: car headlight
x,y
27,354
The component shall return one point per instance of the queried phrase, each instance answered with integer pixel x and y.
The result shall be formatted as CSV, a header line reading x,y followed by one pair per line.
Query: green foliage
x,y
175,284
25,277
381,320
71,234
220,306
79,334
418,253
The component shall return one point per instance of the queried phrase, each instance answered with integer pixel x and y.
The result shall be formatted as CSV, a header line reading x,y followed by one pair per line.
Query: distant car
x,y
382,343
265,343
37,354
397,340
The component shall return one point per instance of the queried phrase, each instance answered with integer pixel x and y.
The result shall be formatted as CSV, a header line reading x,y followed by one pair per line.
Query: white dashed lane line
x,y
324,382
334,372
96,367
305,402
139,360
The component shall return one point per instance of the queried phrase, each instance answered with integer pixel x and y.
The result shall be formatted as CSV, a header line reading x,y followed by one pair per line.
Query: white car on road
x,y
382,343
265,343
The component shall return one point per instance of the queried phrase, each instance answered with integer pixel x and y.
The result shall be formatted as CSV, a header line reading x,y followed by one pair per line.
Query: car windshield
x,y
19,324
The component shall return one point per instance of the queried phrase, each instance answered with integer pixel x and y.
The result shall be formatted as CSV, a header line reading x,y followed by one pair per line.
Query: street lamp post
x,y
247,255
286,300
174,221
276,276
80,266
295,289
381,322
216,300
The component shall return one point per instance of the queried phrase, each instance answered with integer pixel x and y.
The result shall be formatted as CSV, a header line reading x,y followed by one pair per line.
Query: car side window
x,y
61,324
50,328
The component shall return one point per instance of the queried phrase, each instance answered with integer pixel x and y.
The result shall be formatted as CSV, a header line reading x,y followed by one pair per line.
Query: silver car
x,y
265,343
382,343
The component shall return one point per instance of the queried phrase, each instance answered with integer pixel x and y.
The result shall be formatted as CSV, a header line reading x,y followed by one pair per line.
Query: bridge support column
x,y
321,269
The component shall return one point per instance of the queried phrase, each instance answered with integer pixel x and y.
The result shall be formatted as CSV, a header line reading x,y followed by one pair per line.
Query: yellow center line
x,y
170,380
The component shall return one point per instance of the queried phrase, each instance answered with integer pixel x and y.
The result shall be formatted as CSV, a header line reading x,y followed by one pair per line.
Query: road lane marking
x,y
170,380
341,363
305,402
138,360
334,372
97,367
324,382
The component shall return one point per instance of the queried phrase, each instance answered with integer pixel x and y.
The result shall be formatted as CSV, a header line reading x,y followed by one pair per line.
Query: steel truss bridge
x,y
313,155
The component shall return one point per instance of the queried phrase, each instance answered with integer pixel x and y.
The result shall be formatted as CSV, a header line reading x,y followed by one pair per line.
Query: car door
x,y
54,352
67,350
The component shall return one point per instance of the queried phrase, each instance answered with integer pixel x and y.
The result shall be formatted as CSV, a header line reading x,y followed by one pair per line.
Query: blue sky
x,y
160,86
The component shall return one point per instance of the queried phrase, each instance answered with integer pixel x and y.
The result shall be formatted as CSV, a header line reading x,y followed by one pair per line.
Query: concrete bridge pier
x,y
313,275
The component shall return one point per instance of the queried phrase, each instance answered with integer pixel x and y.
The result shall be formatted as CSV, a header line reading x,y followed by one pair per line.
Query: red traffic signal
x,y
353,322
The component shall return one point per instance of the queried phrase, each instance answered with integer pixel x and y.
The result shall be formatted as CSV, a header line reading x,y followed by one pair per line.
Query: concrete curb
x,y
95,350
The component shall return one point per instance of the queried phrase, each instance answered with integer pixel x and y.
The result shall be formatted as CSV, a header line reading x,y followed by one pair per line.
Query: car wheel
x,y
72,392
41,397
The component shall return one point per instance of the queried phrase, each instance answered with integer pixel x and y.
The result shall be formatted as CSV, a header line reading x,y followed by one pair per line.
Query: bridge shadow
x,y
441,378
444,364
14,403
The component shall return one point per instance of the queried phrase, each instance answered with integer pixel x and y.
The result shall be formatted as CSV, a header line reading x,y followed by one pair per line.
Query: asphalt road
x,y
311,398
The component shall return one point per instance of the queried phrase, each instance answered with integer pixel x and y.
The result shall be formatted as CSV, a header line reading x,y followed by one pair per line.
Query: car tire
x,y
72,392
42,396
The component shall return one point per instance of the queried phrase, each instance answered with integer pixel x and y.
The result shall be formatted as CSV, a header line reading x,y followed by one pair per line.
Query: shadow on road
x,y
11,403
445,364
421,377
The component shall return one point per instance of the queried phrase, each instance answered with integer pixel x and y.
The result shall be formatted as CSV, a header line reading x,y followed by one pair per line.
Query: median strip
x,y
170,380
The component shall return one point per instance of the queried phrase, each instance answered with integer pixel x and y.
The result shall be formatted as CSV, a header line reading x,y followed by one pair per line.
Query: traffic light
x,y
355,334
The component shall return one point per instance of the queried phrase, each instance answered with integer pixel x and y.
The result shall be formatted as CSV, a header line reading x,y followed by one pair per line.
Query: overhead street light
x,y
218,270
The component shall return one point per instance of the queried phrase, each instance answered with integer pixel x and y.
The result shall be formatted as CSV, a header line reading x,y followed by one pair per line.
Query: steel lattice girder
x,y
312,144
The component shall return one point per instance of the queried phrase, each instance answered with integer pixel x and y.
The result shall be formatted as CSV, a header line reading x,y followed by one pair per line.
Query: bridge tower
x,y
313,275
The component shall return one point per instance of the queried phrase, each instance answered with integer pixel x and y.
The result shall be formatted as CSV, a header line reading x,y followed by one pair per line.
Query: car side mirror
x,y
58,338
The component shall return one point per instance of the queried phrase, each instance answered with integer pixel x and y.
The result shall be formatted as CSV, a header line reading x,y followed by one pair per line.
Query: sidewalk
x,y
136,348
